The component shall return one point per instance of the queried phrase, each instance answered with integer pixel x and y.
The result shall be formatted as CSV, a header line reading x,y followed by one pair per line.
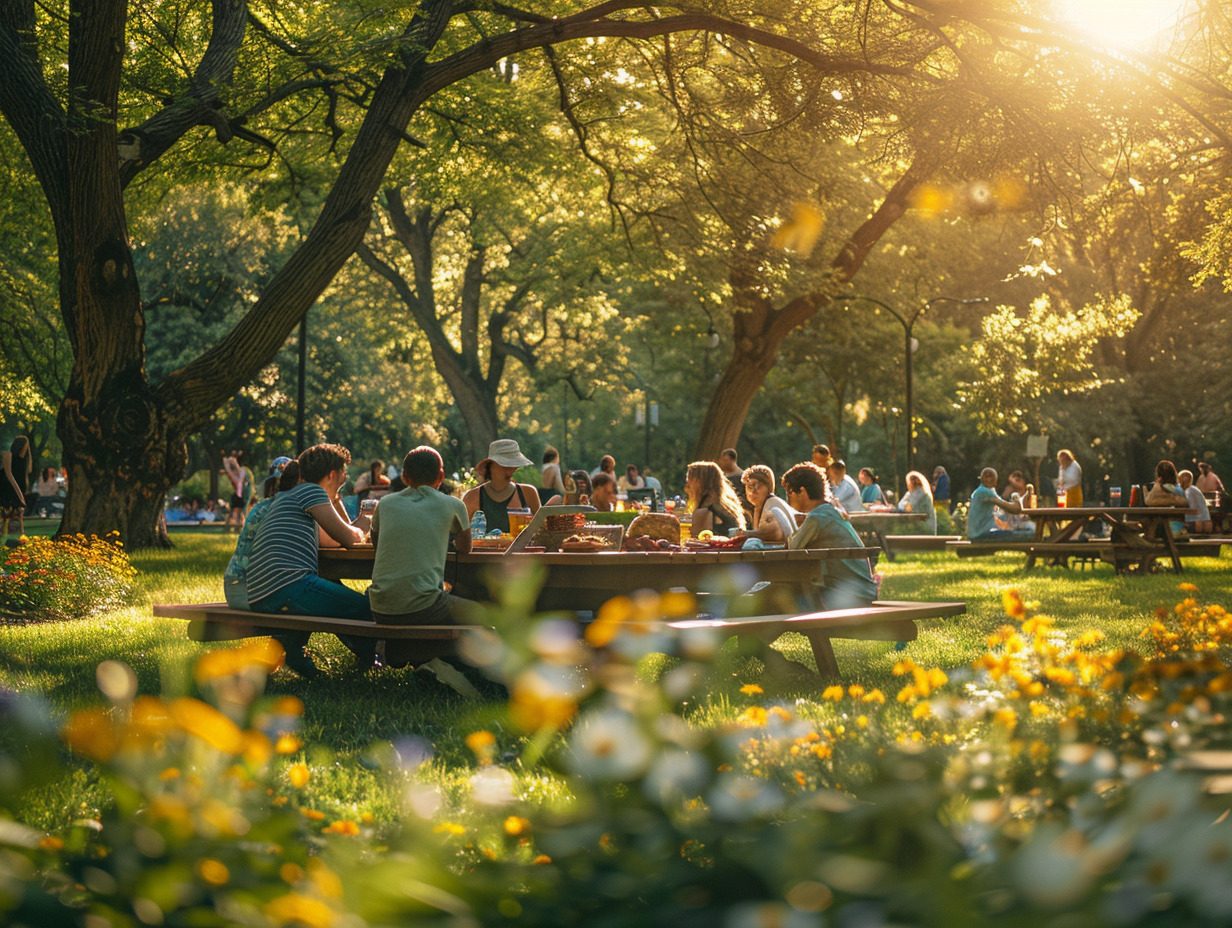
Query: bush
x,y
64,578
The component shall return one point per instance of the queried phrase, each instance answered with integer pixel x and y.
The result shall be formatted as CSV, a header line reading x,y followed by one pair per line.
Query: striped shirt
x,y
285,549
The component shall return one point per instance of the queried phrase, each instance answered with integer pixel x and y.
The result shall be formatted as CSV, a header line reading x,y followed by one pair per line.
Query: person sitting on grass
x,y
981,518
1200,521
235,583
848,582
919,499
282,570
411,531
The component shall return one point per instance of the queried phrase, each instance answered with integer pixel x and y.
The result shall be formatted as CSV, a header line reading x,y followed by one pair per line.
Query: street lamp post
x,y
909,345
303,366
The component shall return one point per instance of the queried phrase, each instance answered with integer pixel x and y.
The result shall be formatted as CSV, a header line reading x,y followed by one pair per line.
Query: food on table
x,y
646,543
578,539
655,525
705,535
570,522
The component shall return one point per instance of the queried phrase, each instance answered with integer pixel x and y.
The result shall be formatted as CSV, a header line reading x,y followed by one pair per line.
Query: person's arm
x,y
804,534
780,527
335,526
531,495
471,499
703,519
1007,505
462,541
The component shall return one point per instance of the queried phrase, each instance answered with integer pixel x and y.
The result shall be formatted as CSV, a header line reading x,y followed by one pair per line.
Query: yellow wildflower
x,y
298,774
213,872
299,910
751,689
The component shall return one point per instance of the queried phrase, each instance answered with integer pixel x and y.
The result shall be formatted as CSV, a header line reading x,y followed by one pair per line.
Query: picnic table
x,y
583,582
1138,536
873,526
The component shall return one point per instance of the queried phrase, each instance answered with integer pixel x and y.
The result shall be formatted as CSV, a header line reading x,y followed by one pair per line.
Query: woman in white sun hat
x,y
498,493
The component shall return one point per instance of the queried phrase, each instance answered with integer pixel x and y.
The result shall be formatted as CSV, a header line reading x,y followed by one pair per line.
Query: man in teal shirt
x,y
981,526
411,531
848,581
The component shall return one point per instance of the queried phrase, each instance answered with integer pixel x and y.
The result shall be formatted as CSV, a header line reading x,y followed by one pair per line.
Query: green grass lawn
x,y
347,712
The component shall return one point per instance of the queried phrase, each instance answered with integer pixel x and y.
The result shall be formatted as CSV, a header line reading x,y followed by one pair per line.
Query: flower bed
x,y
63,578
1043,784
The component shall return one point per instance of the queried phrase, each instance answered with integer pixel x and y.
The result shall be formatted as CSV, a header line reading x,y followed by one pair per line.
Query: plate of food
x,y
585,544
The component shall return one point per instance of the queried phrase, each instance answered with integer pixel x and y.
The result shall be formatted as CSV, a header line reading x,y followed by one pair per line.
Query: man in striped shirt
x,y
282,569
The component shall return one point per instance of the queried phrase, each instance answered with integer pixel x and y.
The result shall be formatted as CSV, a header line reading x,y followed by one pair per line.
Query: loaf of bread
x,y
655,525
570,522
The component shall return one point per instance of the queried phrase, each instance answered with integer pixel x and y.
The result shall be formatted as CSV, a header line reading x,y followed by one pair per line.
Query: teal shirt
x,y
412,529
980,519
824,527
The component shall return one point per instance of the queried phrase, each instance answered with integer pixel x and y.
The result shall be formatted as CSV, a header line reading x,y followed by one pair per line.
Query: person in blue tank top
x,y
498,493
981,525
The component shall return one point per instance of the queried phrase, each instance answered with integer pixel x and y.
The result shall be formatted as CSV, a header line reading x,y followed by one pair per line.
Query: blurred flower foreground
x,y
1054,782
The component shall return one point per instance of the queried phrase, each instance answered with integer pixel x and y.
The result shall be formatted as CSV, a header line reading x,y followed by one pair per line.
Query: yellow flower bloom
x,y
516,825
327,882
287,744
832,692
751,689
301,911
288,705
208,724
342,827
90,732
1011,601
753,717
542,859
291,873
922,711
449,828
171,773
213,872
298,775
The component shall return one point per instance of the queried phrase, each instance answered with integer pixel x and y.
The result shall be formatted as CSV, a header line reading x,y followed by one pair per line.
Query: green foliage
x,y
64,578
1021,360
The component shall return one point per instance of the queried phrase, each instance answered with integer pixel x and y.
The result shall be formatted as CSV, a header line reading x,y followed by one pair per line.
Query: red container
x,y
1135,496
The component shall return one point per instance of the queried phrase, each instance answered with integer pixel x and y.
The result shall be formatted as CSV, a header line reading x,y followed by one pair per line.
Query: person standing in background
x,y
1069,478
941,489
18,463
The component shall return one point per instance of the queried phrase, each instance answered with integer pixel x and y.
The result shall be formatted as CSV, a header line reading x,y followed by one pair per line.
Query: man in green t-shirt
x,y
411,531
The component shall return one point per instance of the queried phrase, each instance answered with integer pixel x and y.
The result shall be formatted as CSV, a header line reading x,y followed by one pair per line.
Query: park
x,y
944,248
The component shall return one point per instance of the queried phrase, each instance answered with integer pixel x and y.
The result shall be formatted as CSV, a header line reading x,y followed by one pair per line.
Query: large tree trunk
x,y
476,402
759,332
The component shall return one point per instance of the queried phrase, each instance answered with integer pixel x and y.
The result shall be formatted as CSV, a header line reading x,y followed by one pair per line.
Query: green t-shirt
x,y
825,527
412,528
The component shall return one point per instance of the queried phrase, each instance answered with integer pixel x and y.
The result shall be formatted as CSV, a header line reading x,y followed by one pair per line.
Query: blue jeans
x,y
1006,534
314,596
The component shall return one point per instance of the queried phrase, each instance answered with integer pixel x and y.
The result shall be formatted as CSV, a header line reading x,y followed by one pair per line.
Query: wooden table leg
x,y
823,653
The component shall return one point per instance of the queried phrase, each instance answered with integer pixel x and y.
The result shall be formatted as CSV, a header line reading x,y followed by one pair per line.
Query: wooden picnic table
x,y
583,582
873,526
1138,536
1139,532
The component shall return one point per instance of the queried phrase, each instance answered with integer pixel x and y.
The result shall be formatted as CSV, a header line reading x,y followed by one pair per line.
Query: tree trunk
x,y
476,402
759,332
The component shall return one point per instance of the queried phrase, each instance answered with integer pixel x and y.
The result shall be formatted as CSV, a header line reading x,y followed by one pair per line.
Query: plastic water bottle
x,y
479,524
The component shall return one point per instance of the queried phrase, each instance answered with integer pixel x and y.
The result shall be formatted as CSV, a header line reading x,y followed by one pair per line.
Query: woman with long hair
x,y
870,489
18,464
715,504
918,498
773,520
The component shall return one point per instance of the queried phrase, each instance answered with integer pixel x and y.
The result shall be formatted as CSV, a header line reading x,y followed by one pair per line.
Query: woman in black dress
x,y
15,484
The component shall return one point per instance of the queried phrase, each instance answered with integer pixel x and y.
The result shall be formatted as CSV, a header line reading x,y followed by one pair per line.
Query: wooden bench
x,y
1120,555
417,644
884,620
896,544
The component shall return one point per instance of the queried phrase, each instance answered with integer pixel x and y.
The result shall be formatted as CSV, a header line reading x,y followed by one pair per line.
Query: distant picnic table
x,y
1137,537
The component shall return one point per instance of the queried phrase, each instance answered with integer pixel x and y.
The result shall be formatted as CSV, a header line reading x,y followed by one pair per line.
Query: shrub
x,y
64,578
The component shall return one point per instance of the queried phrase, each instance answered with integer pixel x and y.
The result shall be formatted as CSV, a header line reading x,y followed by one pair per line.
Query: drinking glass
x,y
1114,496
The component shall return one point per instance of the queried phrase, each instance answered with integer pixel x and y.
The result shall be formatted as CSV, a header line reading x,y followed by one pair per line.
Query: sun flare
x,y
1122,23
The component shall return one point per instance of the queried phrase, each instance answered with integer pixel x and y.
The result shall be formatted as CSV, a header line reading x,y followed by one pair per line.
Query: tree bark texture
x,y
759,329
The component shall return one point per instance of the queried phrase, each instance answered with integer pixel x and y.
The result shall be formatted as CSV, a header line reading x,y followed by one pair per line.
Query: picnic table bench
x,y
415,644
1122,555
873,526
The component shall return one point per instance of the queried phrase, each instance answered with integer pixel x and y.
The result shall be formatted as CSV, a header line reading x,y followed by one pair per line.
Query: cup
x,y
368,506
1060,500
1114,496
518,520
